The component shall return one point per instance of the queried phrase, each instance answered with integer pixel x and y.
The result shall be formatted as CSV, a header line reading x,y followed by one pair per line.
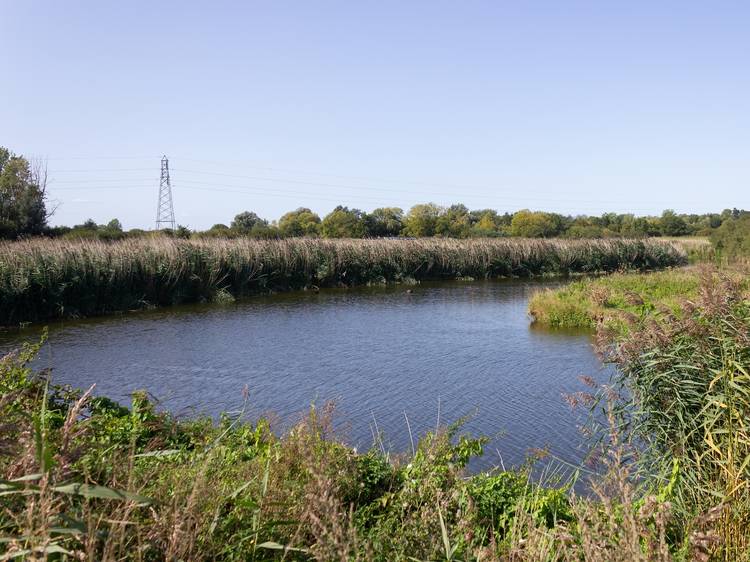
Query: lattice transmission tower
x,y
165,208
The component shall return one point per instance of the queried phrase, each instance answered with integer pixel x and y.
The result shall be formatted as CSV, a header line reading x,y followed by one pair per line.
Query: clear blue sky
x,y
576,107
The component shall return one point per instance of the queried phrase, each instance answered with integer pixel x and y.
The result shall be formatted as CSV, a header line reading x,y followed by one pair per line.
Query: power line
x,y
207,184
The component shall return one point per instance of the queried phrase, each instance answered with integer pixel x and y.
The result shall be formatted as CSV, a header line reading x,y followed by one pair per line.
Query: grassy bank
x,y
586,302
620,298
88,479
41,279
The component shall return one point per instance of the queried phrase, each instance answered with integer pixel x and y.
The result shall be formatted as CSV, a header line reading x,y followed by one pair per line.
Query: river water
x,y
432,353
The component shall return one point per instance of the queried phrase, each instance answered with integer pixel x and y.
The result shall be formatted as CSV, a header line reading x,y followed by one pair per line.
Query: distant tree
x,y
732,238
385,221
454,222
88,230
586,231
671,224
23,208
219,230
182,232
422,219
536,224
111,231
265,231
245,222
343,222
302,222
486,223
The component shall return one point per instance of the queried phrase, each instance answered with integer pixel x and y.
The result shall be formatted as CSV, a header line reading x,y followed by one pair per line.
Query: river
x,y
429,354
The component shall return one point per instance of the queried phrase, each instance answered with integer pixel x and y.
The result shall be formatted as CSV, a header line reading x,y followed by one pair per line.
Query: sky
x,y
579,107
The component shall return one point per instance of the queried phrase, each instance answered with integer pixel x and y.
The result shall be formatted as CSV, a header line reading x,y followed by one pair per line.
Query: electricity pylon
x,y
165,209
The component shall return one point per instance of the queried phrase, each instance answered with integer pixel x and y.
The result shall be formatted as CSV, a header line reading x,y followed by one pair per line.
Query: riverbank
x,y
88,478
42,279
616,298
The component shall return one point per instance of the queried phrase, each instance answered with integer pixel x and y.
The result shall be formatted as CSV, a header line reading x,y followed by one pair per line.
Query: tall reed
x,y
42,279
686,376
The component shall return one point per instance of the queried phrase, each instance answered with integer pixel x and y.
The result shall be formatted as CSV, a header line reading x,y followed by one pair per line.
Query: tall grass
x,y
699,249
686,376
42,279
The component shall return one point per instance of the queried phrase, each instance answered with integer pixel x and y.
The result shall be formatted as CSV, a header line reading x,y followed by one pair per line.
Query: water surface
x,y
437,353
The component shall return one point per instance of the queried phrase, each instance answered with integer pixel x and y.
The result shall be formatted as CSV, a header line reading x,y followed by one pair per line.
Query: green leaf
x,y
162,453
94,491
276,546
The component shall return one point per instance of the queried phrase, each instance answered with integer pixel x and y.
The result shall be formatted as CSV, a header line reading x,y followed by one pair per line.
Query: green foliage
x,y
673,225
23,210
302,222
343,222
421,220
530,224
246,221
686,399
454,222
613,299
182,232
89,230
732,238
499,497
384,222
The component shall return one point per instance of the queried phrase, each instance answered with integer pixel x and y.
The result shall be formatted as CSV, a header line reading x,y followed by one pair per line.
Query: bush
x,y
732,238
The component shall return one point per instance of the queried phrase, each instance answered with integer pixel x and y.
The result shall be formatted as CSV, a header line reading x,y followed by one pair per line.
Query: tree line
x,y
24,212
427,220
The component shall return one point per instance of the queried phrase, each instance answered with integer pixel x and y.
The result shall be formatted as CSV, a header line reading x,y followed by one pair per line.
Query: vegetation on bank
x,y
86,478
586,302
684,396
732,239
619,298
42,279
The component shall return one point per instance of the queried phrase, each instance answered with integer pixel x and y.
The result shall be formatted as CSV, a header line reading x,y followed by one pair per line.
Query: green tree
x,y
671,224
422,219
111,231
219,230
244,222
454,222
385,221
23,209
182,232
343,222
488,223
732,238
536,224
302,222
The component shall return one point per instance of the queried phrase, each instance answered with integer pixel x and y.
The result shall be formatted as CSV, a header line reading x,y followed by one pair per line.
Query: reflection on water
x,y
383,354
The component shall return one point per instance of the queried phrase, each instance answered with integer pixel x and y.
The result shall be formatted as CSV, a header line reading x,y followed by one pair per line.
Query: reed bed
x,y
42,279
699,249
